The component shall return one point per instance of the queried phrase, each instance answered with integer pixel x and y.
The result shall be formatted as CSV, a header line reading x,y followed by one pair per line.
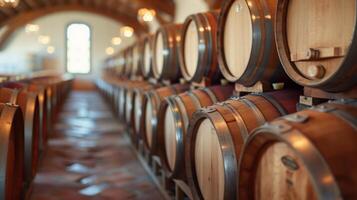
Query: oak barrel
x,y
166,53
246,49
11,152
306,155
128,56
150,107
317,42
198,54
139,94
216,136
173,120
147,53
29,105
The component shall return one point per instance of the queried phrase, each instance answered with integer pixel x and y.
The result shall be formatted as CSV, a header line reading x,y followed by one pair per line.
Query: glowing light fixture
x,y
44,39
146,15
127,31
109,51
51,49
9,3
116,41
32,28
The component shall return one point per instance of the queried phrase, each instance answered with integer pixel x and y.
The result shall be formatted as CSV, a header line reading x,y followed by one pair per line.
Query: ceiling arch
x,y
123,11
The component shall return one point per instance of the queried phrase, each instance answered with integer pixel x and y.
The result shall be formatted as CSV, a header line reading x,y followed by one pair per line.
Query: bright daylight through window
x,y
78,48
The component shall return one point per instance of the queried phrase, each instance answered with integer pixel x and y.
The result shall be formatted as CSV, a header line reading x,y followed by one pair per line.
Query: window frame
x,y
90,47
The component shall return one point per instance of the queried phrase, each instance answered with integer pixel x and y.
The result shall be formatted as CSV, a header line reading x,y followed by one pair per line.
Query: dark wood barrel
x,y
216,137
166,54
198,49
136,48
129,99
137,110
307,155
246,50
309,55
41,92
146,52
150,108
11,152
128,56
29,105
173,120
119,62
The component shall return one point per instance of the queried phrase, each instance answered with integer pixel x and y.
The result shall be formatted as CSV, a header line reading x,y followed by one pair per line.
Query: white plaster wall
x,y
24,48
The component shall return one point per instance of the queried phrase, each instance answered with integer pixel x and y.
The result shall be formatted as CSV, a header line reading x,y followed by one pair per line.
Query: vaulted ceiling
x,y
124,11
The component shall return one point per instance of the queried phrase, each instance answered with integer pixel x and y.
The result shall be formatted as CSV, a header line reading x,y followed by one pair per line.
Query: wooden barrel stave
x,y
246,53
198,56
165,53
181,108
297,37
150,108
12,152
302,155
29,104
231,121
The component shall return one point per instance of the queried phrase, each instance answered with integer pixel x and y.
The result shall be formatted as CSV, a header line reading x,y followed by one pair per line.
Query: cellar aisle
x,y
88,157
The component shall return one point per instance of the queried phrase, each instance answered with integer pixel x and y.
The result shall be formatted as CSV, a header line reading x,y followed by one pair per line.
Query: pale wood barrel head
x,y
209,167
170,138
281,175
318,24
191,49
238,38
159,53
148,121
137,110
147,59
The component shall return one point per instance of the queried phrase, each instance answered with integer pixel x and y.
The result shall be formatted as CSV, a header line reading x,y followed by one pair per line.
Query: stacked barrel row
x,y
211,132
27,110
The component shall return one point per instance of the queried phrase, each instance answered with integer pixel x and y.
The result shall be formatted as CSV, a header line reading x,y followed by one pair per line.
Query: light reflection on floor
x,y
88,159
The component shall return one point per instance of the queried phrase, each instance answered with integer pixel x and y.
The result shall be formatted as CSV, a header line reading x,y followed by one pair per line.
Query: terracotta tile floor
x,y
89,159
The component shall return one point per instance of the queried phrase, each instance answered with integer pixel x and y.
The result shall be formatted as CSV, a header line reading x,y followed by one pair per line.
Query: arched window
x,y
78,48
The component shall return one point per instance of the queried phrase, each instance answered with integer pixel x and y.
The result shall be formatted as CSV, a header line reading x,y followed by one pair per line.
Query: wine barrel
x,y
307,155
41,92
29,104
310,56
173,120
246,50
216,136
129,99
11,152
146,52
139,94
198,54
166,53
136,69
151,104
128,56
